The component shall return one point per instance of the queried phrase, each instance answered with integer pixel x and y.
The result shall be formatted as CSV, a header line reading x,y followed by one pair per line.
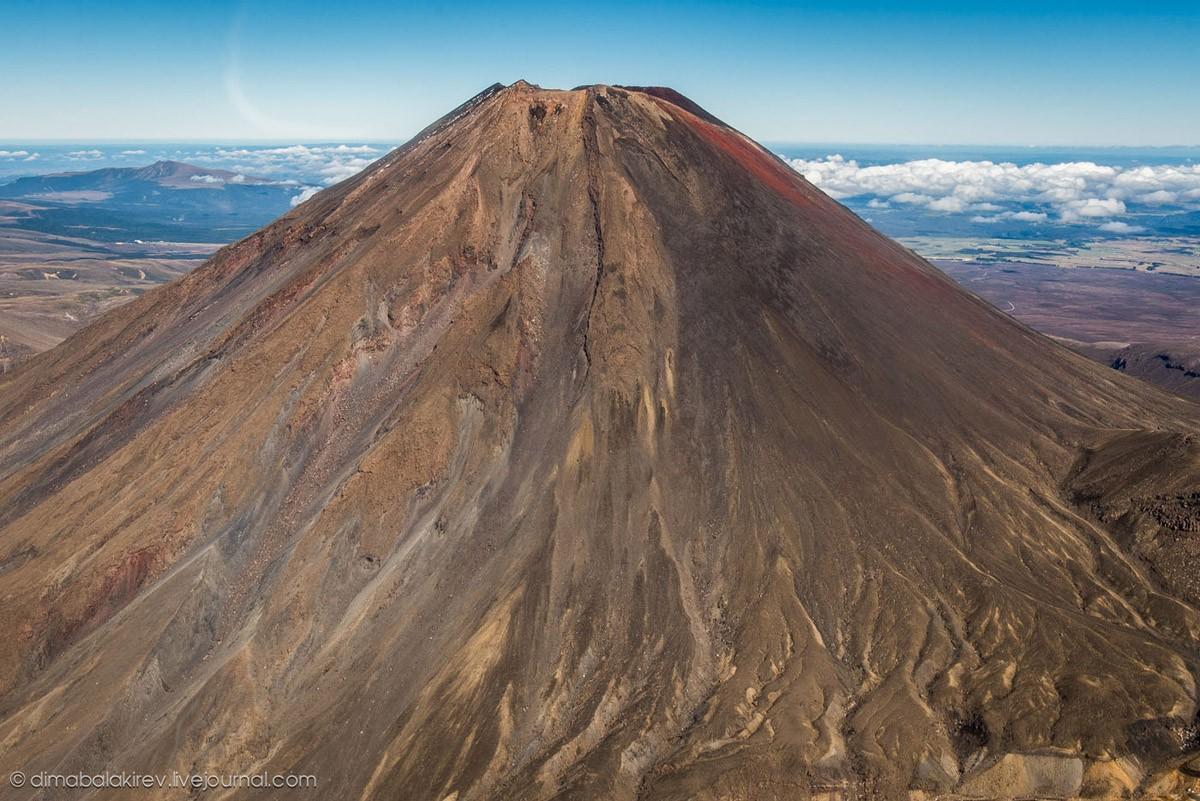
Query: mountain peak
x,y
164,167
662,92
166,170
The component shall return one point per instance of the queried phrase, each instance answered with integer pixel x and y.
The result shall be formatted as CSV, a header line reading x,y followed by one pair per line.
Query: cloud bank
x,y
325,163
308,192
1073,192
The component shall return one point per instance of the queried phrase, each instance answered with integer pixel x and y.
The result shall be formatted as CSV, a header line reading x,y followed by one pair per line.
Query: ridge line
x,y
591,152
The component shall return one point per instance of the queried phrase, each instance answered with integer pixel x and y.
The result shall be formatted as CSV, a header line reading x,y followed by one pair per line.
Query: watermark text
x,y
158,781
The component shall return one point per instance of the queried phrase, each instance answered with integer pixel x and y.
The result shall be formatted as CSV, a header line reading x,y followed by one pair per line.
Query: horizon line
x,y
54,141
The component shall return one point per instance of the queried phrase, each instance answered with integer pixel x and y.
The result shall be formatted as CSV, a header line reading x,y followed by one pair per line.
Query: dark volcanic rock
x,y
581,449
1173,367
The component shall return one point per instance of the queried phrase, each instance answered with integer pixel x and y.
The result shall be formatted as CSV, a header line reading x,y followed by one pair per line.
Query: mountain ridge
x,y
175,174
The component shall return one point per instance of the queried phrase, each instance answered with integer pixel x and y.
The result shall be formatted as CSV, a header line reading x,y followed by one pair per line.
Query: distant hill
x,y
1174,366
167,200
174,174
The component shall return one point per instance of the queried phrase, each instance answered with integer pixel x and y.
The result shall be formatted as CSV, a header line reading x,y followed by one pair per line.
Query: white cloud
x,y
1118,227
217,180
341,170
308,192
133,152
1159,196
14,154
1019,216
326,163
1092,207
302,151
85,155
1075,192
950,203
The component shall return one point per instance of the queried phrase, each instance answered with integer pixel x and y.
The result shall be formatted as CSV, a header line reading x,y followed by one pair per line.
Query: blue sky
x,y
1017,72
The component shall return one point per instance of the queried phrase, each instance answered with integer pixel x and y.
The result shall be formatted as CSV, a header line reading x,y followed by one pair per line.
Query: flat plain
x,y
1143,323
51,286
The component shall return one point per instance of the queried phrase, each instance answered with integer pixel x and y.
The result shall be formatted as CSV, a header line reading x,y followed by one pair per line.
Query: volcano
x,y
580,449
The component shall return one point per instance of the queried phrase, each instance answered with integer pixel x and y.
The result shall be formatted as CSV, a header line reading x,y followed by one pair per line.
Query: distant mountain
x,y
164,200
174,174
